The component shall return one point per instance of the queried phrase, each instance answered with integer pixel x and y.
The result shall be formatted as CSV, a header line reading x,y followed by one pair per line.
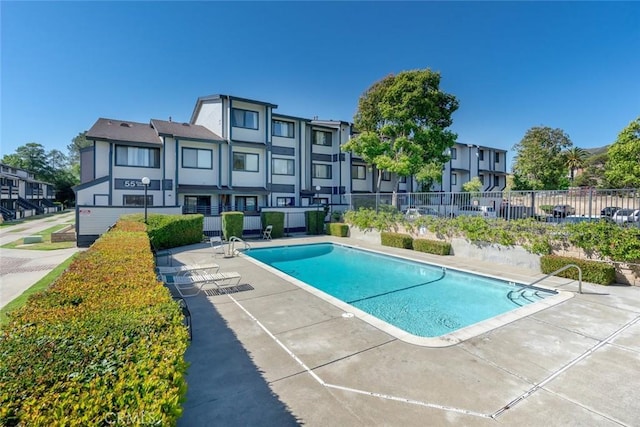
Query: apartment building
x,y
22,195
240,154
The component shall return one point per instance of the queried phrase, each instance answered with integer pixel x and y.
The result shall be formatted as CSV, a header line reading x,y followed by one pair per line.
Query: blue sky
x,y
512,65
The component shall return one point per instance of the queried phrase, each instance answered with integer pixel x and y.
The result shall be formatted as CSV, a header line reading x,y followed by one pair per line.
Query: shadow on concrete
x,y
224,386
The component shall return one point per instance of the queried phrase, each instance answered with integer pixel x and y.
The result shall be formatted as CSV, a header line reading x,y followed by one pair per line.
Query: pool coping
x,y
445,340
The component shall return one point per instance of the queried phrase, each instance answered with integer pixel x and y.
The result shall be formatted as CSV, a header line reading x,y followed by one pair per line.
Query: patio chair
x,y
173,270
266,234
217,245
201,277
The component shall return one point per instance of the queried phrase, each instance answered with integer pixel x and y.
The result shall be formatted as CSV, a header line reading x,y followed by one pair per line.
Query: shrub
x,y
338,229
106,340
168,231
314,221
592,271
396,240
432,246
232,224
275,219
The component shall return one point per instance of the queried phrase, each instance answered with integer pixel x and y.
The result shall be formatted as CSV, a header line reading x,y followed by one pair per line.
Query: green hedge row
x,y
592,271
276,220
170,231
396,240
338,229
432,246
232,224
103,345
314,221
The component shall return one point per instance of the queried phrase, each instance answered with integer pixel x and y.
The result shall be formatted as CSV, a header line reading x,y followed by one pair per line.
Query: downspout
x,y
267,171
177,199
230,154
299,163
110,174
164,166
340,163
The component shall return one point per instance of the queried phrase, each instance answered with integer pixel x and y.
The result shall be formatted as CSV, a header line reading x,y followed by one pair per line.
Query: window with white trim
x,y
197,158
454,153
136,200
285,201
246,162
244,118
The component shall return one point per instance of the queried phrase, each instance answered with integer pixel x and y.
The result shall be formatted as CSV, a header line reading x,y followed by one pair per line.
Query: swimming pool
x,y
413,298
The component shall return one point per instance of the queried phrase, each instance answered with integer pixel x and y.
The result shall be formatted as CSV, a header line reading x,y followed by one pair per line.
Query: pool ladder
x,y
566,267
231,245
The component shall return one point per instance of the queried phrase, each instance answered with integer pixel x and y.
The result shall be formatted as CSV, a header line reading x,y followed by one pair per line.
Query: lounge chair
x,y
201,277
173,270
266,234
217,245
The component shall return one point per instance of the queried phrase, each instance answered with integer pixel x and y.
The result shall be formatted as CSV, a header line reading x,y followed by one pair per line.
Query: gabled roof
x,y
184,130
219,97
121,130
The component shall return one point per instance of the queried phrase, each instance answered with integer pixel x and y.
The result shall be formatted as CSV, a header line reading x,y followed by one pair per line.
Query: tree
x,y
574,158
473,186
77,143
593,172
622,169
31,157
539,161
402,122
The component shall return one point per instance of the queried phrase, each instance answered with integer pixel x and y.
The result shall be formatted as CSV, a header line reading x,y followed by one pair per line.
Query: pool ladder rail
x,y
232,251
521,291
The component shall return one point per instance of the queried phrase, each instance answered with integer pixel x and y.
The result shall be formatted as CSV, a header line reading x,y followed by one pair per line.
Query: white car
x,y
471,210
415,213
625,216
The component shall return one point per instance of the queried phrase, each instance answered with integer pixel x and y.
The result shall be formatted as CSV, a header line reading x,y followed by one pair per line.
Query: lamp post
x,y
145,181
318,188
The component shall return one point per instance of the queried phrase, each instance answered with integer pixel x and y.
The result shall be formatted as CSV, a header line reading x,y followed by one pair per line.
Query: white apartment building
x,y
240,154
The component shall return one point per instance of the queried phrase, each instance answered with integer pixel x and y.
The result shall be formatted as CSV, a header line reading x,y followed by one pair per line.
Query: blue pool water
x,y
422,299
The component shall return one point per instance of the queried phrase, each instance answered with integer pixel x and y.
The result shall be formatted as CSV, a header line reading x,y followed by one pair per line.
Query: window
x,y
136,200
454,154
282,166
285,201
245,162
454,179
497,157
481,154
481,179
321,171
321,138
497,181
246,203
137,156
403,179
358,172
244,118
281,128
386,176
197,204
196,158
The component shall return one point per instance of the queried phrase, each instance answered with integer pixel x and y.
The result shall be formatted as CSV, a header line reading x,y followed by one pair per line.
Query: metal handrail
x,y
558,271
231,244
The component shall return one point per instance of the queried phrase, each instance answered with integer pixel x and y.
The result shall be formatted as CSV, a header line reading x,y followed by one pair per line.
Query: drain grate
x,y
229,290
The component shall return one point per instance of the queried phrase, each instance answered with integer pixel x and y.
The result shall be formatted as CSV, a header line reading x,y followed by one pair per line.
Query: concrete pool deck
x,y
274,354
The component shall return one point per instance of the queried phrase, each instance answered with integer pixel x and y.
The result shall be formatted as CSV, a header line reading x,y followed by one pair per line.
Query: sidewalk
x,y
21,268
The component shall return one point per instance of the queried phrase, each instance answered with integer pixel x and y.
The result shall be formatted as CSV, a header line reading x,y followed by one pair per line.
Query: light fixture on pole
x,y
145,181
318,188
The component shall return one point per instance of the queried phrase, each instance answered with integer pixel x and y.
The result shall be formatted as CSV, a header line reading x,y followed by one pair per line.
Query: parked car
x,y
471,210
626,216
609,211
415,213
574,219
560,211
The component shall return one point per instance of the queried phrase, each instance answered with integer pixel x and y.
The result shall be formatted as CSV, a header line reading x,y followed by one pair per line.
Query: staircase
x,y
26,204
7,214
48,203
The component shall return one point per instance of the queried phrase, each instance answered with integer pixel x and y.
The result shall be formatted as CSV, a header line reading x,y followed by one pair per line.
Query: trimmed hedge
x,y
432,246
592,271
105,343
232,224
275,219
314,221
338,229
170,231
396,240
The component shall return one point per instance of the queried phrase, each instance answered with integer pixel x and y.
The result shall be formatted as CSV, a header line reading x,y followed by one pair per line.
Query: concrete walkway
x,y
274,354
21,268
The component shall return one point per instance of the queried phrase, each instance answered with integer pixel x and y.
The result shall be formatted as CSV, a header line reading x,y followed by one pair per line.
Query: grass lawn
x,y
31,218
46,244
40,285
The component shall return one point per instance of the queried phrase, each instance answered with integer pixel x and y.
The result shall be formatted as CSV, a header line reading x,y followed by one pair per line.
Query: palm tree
x,y
574,159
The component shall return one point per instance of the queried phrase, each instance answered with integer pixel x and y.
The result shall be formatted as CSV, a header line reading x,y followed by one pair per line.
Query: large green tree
x,y
540,162
622,169
402,123
79,142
